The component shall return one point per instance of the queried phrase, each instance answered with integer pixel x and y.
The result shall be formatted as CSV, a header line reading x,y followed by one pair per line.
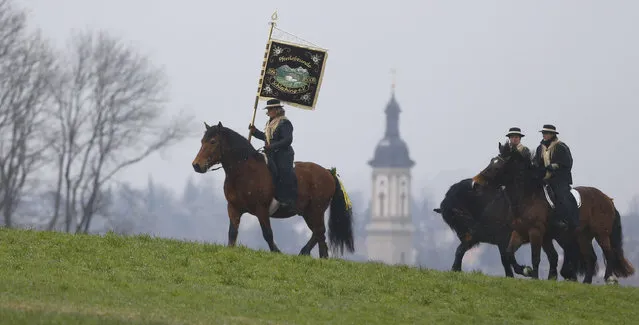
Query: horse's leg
x,y
572,260
319,231
234,223
306,250
510,265
463,247
609,255
513,245
585,247
267,231
569,267
536,241
508,268
553,257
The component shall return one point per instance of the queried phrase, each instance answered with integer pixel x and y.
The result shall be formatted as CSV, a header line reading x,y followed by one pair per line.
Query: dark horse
x,y
485,216
598,216
248,188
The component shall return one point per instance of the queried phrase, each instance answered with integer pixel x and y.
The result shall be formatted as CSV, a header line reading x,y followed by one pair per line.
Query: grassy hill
x,y
54,278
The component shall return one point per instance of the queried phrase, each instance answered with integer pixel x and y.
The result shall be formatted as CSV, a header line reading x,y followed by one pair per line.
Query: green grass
x,y
54,278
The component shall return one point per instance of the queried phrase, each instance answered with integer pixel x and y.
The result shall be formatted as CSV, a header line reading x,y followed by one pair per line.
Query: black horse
x,y
485,216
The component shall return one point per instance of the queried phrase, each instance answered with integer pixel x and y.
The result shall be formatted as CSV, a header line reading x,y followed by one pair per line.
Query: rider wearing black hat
x,y
278,135
514,136
554,160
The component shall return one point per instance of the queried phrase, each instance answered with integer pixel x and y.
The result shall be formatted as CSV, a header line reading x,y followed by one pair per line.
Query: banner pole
x,y
259,86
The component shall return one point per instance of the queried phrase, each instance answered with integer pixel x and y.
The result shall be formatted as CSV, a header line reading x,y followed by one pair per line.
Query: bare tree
x,y
110,109
26,68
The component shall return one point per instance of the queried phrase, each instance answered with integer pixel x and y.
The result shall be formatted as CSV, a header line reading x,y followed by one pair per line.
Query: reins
x,y
214,169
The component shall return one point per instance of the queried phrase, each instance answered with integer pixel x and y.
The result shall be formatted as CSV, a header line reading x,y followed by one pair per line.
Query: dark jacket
x,y
560,172
280,161
282,136
281,153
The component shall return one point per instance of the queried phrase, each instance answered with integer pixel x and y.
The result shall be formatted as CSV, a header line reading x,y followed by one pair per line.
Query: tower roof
x,y
392,151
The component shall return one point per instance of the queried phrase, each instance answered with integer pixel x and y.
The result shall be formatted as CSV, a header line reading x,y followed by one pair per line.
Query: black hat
x,y
515,131
549,128
272,103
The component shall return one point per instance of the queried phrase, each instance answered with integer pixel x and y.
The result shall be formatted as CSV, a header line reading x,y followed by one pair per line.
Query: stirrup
x,y
273,207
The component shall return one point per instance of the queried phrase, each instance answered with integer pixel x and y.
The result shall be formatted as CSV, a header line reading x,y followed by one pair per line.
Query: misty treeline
x,y
72,117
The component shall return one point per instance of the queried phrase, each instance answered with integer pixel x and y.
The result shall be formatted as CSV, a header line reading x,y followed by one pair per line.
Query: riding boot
x,y
287,181
572,212
567,211
568,206
557,220
287,192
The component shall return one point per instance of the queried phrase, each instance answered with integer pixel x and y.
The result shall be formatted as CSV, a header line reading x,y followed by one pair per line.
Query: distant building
x,y
389,232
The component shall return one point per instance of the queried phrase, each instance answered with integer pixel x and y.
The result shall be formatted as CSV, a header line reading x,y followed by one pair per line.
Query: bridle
x,y
498,157
208,161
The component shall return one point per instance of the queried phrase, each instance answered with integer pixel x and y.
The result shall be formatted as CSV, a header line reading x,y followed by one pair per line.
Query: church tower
x,y
390,229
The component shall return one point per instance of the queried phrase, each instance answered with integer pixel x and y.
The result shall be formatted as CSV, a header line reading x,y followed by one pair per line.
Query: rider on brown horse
x,y
278,135
554,161
514,136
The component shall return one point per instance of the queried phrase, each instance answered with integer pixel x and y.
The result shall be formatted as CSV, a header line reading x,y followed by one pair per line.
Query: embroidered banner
x,y
293,74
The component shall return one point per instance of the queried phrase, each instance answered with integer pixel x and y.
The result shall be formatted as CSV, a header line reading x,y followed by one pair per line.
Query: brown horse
x,y
486,217
248,188
598,217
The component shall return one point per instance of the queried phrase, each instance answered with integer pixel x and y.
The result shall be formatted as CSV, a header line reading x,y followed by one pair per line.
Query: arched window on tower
x,y
403,197
381,197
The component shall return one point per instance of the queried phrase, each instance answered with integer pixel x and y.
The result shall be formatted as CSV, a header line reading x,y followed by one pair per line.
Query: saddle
x,y
273,168
550,196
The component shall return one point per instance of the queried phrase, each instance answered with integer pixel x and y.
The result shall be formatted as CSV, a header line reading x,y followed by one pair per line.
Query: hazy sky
x,y
467,71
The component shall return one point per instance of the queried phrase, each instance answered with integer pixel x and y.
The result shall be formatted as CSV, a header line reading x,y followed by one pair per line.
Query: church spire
x,y
392,112
391,151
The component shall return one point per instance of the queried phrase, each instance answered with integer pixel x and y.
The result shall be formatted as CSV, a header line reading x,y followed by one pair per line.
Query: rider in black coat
x,y
554,161
278,135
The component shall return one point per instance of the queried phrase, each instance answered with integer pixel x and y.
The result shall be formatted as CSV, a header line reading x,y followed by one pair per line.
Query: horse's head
x,y
506,167
211,149
494,172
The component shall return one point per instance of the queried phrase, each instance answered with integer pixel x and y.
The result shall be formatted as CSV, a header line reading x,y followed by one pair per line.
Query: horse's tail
x,y
340,222
619,264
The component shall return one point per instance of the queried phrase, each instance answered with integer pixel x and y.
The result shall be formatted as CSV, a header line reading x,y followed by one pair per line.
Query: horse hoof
x,y
527,271
612,280
552,278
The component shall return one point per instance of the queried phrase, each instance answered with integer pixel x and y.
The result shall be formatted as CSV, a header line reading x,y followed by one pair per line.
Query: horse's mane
x,y
525,171
461,194
240,147
464,209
